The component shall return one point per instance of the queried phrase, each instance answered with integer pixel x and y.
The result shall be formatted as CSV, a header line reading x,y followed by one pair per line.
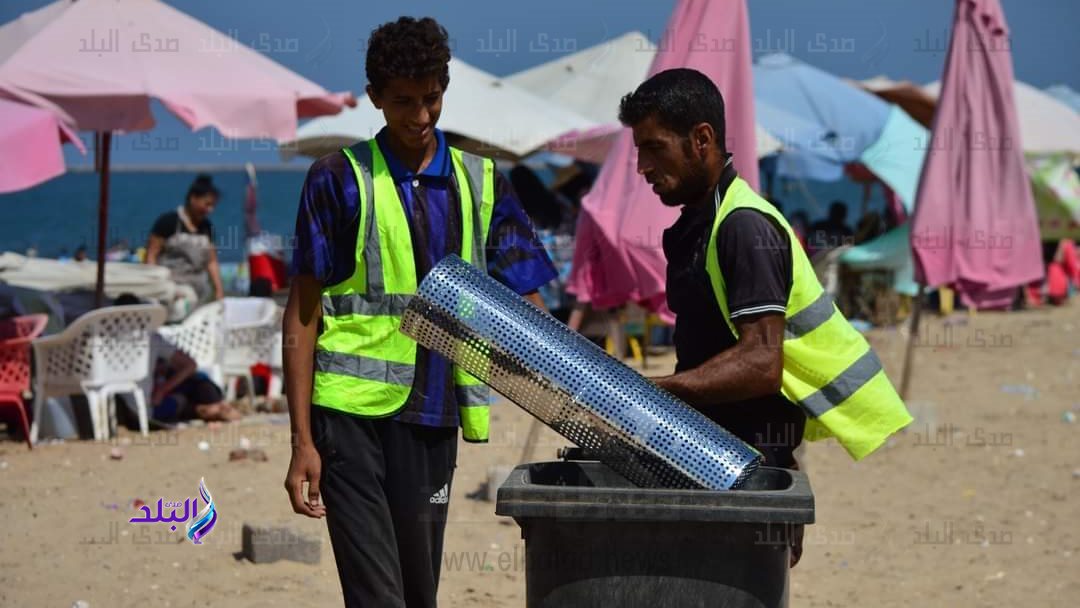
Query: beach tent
x,y
1065,94
102,61
594,145
890,251
1047,125
1048,119
591,82
824,124
481,113
1056,188
54,276
31,141
618,255
911,97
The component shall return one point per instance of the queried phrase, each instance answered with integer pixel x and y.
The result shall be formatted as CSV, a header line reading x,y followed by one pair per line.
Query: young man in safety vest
x,y
374,417
761,349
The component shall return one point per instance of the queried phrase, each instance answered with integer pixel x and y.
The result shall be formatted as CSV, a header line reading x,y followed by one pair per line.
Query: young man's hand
x,y
299,332
305,466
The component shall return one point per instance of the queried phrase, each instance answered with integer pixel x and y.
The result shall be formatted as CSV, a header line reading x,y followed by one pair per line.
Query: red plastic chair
x,y
16,334
266,266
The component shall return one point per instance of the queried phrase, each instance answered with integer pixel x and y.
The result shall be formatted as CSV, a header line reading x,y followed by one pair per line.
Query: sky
x,y
324,40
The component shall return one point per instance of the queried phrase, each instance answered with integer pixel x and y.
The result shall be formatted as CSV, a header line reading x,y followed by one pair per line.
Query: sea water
x,y
57,217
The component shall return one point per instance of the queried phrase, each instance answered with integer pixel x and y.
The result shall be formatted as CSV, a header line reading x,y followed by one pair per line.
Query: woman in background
x,y
182,241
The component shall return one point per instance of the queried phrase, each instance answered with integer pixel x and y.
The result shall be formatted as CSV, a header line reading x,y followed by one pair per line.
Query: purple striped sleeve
x,y
515,256
321,219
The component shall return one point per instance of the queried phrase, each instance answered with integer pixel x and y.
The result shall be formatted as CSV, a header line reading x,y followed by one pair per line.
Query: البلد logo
x,y
200,522
202,526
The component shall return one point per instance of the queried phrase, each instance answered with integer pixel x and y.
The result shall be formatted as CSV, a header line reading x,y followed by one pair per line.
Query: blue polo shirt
x,y
327,224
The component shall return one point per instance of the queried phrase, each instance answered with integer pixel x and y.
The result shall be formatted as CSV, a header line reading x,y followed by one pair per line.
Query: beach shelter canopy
x,y
1054,183
102,61
593,80
55,276
1066,95
825,123
890,251
1057,196
618,255
31,138
1049,122
911,97
481,112
594,145
974,225
1047,125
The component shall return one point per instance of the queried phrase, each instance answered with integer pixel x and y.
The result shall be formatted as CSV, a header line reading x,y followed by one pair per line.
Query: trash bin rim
x,y
519,498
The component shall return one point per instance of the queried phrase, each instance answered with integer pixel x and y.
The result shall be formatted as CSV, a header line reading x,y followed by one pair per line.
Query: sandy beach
x,y
975,505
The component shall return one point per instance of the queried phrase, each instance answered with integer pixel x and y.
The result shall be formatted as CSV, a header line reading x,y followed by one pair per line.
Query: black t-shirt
x,y
167,224
755,261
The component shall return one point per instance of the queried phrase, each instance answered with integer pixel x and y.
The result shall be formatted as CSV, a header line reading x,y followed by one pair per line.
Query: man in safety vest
x,y
374,417
761,349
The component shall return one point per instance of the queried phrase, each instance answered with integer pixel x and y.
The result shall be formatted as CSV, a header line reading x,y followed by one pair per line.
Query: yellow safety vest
x,y
363,365
830,371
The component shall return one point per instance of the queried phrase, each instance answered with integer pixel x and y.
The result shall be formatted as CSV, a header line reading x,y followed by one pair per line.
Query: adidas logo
x,y
441,497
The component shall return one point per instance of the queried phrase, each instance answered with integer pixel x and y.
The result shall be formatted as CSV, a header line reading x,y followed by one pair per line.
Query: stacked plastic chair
x,y
199,336
101,354
16,335
251,333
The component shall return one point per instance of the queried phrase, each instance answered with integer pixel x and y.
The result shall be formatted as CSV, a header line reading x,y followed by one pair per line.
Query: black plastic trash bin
x,y
592,538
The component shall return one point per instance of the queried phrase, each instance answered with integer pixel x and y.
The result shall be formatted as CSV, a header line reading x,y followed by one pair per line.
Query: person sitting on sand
x,y
181,392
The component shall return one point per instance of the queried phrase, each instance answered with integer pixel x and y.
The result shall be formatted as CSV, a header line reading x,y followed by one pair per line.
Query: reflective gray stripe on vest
x,y
372,252
365,304
472,394
359,366
474,172
810,318
843,386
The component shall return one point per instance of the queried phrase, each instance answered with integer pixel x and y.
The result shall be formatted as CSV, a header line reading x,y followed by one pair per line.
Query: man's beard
x,y
691,188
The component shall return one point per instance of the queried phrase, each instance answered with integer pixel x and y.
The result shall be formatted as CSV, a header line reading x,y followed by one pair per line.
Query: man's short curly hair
x,y
407,48
680,99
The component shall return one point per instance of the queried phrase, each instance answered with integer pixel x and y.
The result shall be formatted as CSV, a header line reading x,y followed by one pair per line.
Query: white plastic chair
x,y
277,367
103,353
201,337
252,326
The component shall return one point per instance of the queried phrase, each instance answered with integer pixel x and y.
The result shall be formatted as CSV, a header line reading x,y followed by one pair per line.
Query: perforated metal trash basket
x,y
570,384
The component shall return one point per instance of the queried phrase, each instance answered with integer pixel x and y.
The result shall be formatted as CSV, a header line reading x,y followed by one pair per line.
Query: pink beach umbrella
x,y
618,255
975,225
31,140
102,61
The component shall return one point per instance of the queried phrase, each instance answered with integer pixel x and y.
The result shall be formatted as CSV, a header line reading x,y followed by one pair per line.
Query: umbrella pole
x,y
905,376
104,145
